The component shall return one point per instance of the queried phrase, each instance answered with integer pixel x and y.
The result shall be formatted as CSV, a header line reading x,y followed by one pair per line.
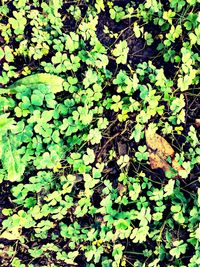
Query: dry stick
x,y
192,182
134,54
121,32
112,138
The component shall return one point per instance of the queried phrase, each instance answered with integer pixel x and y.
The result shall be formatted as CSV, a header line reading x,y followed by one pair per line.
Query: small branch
x,y
111,139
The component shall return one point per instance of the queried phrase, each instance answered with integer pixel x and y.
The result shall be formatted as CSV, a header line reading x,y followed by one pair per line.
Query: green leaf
x,y
8,54
89,157
55,136
53,82
91,77
169,188
176,208
179,217
99,6
134,193
191,2
139,235
122,224
5,123
138,132
10,158
180,248
121,52
1,53
72,42
94,136
37,99
137,30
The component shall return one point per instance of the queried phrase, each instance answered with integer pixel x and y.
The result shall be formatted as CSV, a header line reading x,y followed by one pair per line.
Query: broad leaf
x,y
160,151
10,158
54,82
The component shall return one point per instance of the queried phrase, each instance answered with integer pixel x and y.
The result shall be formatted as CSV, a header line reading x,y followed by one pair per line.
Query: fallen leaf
x,y
121,189
158,144
159,151
197,123
122,148
176,165
157,163
4,253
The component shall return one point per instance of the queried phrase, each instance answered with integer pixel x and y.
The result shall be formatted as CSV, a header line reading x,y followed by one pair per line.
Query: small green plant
x,y
18,22
142,154
121,52
117,13
179,248
79,162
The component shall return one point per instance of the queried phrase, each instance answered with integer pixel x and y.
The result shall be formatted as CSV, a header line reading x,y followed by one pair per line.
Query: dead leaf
x,y
159,151
158,144
197,123
122,148
176,165
121,189
3,252
157,163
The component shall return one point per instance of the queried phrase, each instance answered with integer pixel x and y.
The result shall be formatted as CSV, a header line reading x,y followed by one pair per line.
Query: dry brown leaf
x,y
121,189
176,165
157,144
157,163
159,150
197,123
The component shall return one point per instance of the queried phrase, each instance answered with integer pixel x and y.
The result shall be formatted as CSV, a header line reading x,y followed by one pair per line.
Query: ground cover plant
x,y
99,133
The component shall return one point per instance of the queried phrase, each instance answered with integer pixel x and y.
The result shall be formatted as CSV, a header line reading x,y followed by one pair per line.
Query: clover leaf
x,y
121,52
89,157
94,136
